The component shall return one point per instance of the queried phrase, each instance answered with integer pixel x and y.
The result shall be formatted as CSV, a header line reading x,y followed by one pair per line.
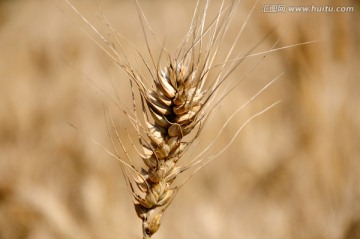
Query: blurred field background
x,y
294,172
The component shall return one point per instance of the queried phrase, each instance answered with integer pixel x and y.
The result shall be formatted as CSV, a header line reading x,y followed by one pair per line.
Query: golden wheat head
x,y
176,102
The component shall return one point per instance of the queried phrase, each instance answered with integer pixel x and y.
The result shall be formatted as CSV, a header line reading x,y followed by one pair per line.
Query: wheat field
x,y
293,172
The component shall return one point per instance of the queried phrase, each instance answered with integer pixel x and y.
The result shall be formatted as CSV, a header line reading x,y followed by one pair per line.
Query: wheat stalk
x,y
177,101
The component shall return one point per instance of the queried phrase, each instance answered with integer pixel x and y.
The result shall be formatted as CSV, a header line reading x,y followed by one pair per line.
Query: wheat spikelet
x,y
176,103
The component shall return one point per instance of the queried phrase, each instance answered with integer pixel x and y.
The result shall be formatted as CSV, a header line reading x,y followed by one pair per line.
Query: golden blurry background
x,y
294,172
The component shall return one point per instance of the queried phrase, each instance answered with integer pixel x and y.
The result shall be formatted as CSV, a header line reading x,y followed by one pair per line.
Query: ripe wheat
x,y
176,104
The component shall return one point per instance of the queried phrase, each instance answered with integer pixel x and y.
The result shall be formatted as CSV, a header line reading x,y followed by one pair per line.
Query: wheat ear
x,y
176,103
173,109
